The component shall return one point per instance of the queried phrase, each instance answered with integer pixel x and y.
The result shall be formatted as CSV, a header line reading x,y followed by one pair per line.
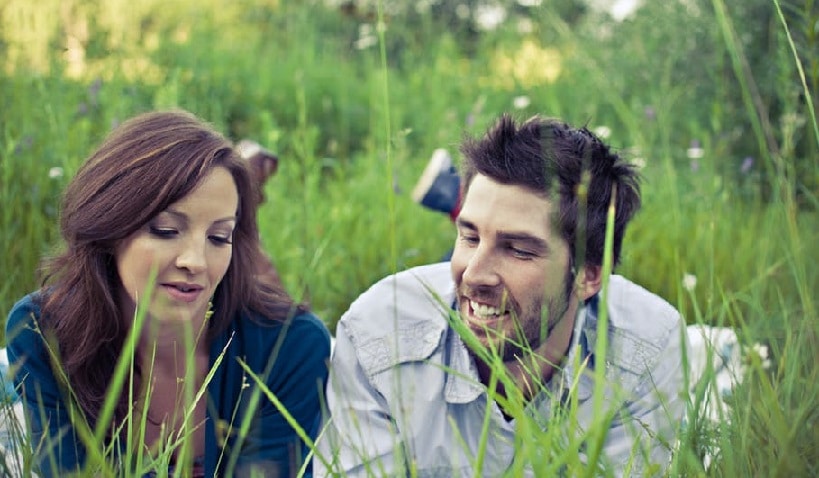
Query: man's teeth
x,y
483,310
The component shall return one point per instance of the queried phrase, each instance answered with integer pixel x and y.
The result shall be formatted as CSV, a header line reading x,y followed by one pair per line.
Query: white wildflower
x,y
761,352
366,37
55,173
639,162
423,7
366,42
462,11
521,102
602,132
689,281
525,25
489,17
622,9
695,152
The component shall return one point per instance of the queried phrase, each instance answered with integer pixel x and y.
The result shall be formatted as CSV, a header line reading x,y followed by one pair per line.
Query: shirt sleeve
x,y
643,434
360,438
49,422
272,446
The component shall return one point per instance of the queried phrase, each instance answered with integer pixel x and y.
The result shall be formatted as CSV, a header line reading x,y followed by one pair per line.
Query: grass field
x,y
715,100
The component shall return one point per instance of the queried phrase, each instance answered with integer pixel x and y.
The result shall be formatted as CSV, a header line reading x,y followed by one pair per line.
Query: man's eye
x,y
520,253
469,239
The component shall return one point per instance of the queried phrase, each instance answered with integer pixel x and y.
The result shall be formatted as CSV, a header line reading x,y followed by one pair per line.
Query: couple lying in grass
x,y
159,340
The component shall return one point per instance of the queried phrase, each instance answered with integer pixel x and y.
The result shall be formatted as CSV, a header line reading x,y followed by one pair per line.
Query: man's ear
x,y
588,281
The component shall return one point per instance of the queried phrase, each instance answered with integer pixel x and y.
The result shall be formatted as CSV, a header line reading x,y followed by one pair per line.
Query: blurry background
x,y
714,99
704,95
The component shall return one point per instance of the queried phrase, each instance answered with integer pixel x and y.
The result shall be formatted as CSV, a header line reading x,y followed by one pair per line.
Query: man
x,y
440,370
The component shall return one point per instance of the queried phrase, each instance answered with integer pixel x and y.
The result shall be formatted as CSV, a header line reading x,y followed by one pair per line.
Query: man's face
x,y
510,267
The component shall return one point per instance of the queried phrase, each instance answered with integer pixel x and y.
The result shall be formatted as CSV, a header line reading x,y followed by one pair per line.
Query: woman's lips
x,y
183,293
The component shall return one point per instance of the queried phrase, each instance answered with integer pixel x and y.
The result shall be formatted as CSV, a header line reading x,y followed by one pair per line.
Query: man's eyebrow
x,y
461,222
525,238
509,236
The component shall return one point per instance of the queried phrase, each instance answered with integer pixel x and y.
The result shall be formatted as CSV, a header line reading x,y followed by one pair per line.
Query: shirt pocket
x,y
411,343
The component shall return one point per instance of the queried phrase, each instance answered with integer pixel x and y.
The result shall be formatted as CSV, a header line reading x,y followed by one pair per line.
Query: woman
x,y
160,233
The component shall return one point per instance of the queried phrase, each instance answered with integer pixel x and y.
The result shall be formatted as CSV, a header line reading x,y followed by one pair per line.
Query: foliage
x,y
705,94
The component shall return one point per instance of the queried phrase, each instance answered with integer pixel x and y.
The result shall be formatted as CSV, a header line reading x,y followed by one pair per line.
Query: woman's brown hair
x,y
146,164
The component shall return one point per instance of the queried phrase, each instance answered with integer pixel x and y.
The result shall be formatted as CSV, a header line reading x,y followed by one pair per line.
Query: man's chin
x,y
489,346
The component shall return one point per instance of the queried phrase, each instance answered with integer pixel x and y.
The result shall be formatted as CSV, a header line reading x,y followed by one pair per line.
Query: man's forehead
x,y
486,192
506,207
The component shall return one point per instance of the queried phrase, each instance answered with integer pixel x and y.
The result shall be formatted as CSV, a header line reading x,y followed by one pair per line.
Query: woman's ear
x,y
588,281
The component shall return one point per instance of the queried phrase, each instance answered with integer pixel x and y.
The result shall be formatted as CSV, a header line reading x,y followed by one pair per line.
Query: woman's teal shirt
x,y
290,357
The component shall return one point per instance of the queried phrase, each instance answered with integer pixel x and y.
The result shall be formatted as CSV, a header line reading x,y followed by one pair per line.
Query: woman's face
x,y
189,246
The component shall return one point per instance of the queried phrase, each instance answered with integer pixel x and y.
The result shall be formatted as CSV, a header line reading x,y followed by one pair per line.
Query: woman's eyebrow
x,y
184,217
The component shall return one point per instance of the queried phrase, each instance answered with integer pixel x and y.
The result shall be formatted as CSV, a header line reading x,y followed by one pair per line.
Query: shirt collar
x,y
463,385
581,351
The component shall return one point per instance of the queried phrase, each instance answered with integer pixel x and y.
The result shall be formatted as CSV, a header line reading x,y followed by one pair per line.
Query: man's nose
x,y
482,268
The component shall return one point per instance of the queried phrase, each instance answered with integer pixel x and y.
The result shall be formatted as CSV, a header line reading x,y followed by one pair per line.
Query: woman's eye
x,y
221,240
163,232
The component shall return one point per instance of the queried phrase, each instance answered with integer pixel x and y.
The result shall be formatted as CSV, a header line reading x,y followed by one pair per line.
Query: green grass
x,y
355,127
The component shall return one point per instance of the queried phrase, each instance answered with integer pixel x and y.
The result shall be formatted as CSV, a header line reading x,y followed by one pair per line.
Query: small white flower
x,y
756,353
489,17
622,9
55,173
366,37
760,350
695,152
639,162
689,281
365,42
365,29
462,11
423,6
602,132
525,25
521,102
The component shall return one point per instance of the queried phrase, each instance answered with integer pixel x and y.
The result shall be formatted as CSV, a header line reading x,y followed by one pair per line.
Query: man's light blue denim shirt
x,y
404,390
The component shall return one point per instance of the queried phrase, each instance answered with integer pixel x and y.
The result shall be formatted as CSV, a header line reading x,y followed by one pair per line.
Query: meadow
x,y
715,100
